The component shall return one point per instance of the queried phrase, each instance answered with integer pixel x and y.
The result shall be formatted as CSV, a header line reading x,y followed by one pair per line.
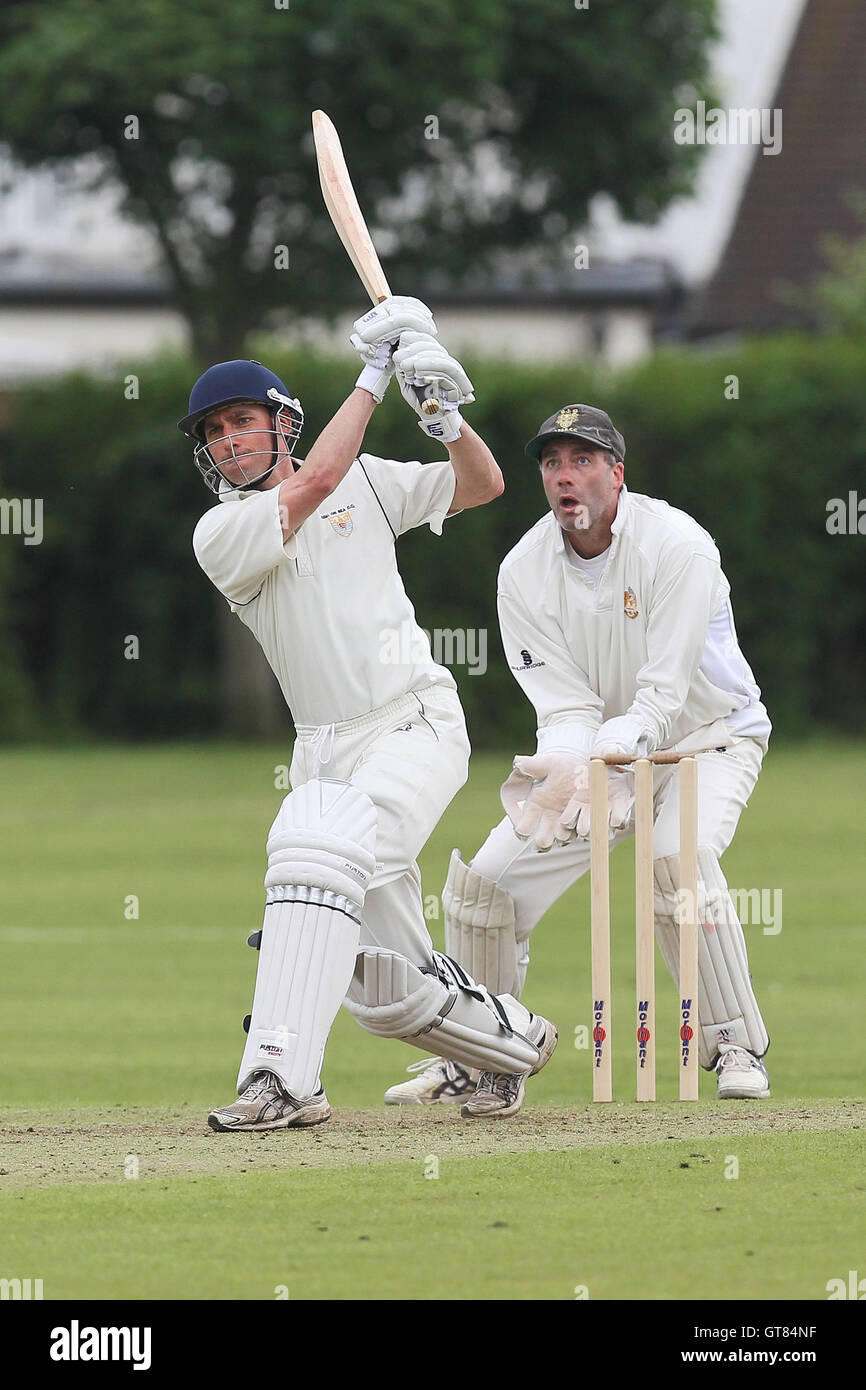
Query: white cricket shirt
x,y
653,637
329,607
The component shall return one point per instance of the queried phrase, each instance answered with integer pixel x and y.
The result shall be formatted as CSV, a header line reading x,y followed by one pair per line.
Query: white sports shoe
x,y
439,1083
266,1105
742,1075
498,1096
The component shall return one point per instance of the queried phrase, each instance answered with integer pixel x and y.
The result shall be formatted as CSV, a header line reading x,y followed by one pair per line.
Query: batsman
x,y
303,551
616,621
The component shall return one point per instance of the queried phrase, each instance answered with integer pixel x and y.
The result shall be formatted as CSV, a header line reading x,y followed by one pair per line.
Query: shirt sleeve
x,y
683,601
568,711
239,542
412,494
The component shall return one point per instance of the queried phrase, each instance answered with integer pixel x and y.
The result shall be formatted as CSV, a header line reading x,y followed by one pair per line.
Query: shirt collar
x,y
622,510
227,493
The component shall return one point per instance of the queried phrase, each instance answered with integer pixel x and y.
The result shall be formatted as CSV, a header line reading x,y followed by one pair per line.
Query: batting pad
x,y
321,856
727,1005
445,1013
480,929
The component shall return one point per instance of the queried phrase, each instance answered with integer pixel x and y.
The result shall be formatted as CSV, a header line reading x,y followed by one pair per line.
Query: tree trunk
x,y
251,702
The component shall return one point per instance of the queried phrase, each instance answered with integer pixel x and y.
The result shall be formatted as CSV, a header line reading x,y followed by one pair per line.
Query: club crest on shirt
x,y
630,604
341,521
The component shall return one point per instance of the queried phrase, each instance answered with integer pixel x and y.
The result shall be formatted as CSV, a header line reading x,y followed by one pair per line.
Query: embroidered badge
x,y
567,417
630,603
341,521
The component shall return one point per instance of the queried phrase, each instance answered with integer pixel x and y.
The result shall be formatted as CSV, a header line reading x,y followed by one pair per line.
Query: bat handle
x,y
430,404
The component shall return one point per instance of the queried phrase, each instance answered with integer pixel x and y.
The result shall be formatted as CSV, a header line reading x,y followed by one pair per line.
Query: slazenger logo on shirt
x,y
340,520
527,663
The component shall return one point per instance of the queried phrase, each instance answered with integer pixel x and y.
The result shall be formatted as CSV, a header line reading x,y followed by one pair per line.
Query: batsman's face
x,y
580,485
242,441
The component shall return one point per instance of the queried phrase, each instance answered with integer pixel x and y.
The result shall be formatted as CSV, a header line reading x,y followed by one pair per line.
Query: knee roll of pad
x,y
480,930
324,836
728,1008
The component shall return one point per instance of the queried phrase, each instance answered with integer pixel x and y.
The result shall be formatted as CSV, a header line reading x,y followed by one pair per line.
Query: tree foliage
x,y
835,299
539,106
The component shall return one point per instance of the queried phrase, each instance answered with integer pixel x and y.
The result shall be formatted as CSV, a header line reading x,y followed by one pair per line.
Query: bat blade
x,y
342,205
348,220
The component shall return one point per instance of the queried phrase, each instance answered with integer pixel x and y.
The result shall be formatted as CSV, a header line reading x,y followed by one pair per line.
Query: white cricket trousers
x,y
535,880
411,757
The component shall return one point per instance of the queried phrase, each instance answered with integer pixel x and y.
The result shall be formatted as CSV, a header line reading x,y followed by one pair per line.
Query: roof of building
x,y
47,279
795,198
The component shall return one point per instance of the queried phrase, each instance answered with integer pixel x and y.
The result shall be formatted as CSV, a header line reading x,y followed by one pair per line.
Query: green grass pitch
x,y
120,1031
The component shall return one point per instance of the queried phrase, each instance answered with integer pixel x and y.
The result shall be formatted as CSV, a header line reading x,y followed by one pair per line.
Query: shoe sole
x,y
316,1118
393,1097
743,1095
435,1100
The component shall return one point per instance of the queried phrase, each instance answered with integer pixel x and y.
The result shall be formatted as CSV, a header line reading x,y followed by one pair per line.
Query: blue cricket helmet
x,y
229,383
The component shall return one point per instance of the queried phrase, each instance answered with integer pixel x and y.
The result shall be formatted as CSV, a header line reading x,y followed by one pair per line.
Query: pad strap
x,y
445,1012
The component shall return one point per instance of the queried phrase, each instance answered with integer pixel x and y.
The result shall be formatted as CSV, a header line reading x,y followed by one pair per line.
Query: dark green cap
x,y
580,422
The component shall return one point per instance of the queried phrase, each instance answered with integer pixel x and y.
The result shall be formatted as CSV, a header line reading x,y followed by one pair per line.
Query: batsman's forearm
x,y
337,446
327,463
479,477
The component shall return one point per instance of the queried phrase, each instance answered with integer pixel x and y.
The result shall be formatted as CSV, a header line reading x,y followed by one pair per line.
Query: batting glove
x,y
426,371
376,334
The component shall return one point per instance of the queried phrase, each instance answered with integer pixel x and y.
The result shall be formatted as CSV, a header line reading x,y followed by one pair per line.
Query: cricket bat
x,y
348,220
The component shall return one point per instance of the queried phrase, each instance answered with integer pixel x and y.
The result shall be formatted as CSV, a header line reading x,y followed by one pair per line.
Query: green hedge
x,y
121,499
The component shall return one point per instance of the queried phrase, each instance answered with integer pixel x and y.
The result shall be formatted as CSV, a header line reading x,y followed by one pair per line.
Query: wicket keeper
x,y
616,621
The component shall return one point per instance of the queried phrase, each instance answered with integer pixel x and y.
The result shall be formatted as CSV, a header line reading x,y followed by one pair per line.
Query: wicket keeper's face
x,y
580,484
242,440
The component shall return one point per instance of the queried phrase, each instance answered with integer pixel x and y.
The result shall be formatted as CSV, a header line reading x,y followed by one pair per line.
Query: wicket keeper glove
x,y
575,819
425,370
376,334
537,792
624,734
